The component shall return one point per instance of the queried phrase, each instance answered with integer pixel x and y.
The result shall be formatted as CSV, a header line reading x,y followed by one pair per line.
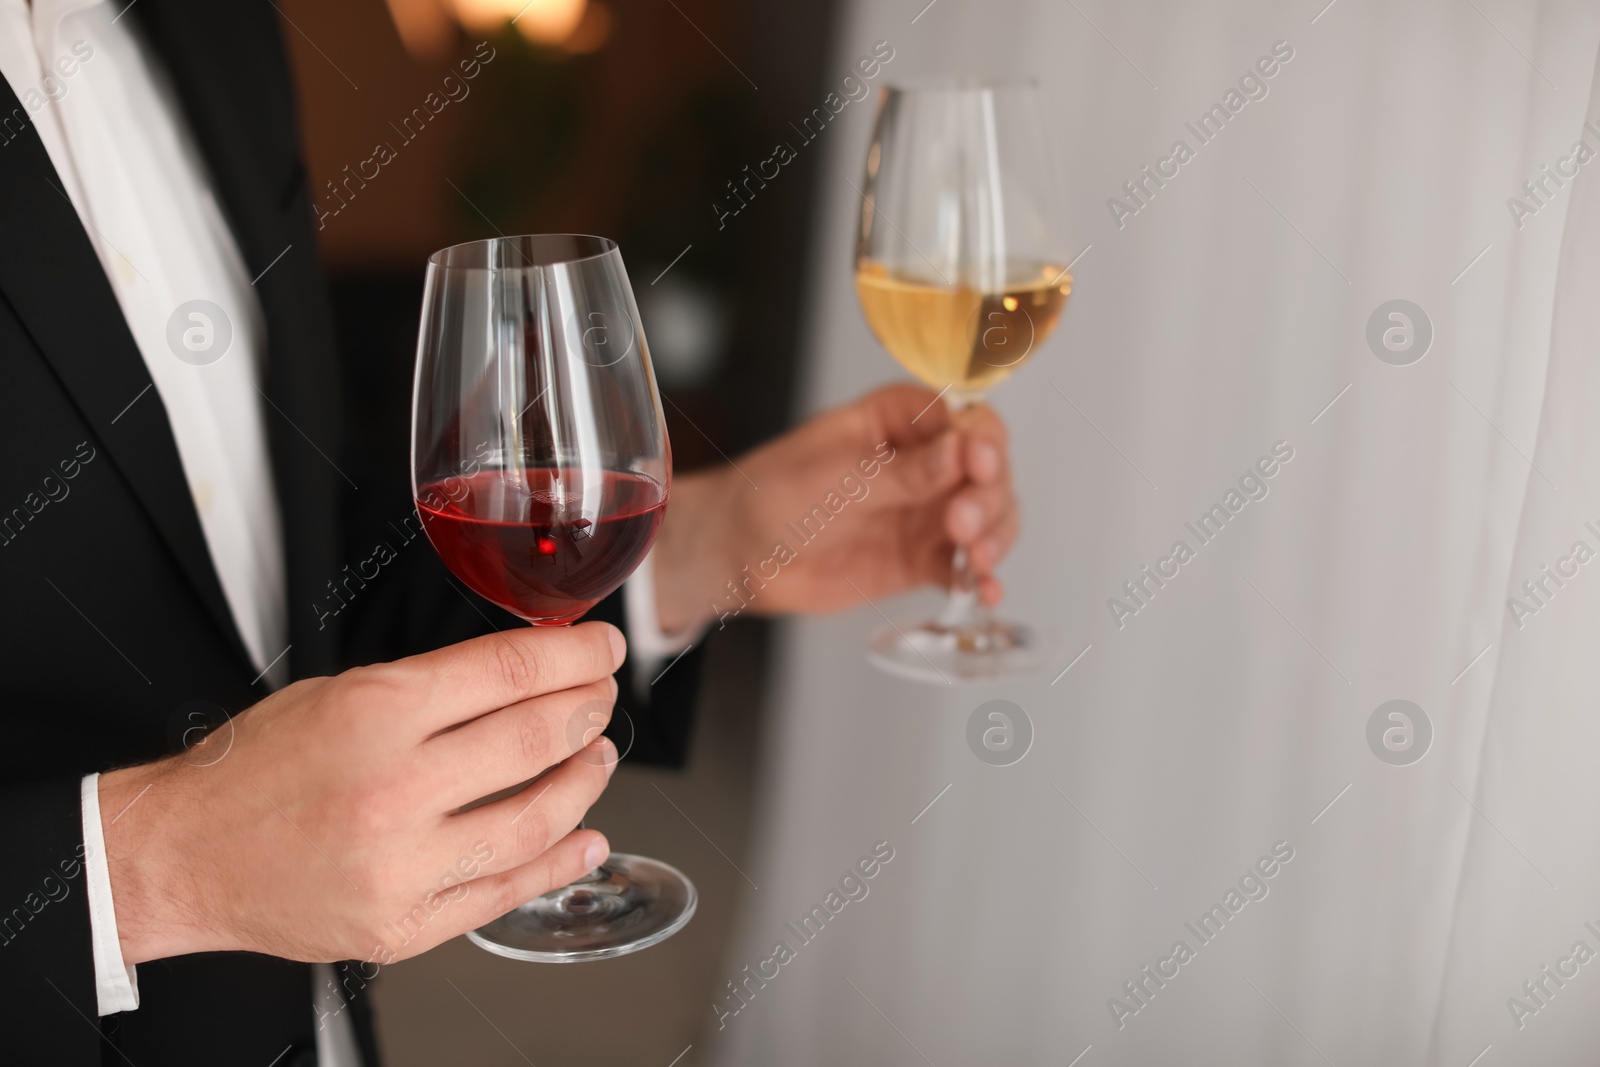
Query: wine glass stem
x,y
599,874
962,607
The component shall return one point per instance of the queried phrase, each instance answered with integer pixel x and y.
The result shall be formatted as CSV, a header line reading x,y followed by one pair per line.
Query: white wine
x,y
957,335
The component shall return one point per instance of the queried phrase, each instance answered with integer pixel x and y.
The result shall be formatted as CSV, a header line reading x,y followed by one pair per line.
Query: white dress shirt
x,y
115,134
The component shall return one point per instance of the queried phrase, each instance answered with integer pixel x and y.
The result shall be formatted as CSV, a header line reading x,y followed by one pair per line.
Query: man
x,y
188,828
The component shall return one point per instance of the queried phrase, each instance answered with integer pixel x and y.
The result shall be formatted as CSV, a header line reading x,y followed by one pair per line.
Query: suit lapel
x,y
54,282
231,77
228,67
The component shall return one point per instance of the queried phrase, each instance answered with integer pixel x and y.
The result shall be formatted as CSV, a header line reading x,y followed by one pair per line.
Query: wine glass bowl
x,y
961,272
540,459
542,545
958,336
541,471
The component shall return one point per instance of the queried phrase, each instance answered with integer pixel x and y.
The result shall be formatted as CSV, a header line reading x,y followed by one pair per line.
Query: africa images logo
x,y
199,332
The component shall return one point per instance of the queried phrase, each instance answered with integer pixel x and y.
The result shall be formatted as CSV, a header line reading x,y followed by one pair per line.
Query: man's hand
x,y
331,828
859,501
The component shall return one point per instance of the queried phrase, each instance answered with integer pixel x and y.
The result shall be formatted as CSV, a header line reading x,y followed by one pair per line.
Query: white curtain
x,y
1223,718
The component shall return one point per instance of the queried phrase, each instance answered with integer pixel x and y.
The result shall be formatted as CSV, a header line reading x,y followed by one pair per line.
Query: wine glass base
x,y
630,903
974,651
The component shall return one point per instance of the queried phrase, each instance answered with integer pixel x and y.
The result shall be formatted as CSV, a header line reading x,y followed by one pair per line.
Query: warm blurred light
x,y
593,32
550,21
486,15
425,28
575,25
547,22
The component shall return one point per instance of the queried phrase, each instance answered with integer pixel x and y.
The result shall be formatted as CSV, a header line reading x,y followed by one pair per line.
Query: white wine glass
x,y
961,271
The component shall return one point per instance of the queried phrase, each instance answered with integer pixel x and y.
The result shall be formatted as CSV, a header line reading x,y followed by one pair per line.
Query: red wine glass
x,y
541,469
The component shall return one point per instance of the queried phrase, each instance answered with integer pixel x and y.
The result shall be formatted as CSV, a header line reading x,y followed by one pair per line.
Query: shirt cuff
x,y
648,646
116,984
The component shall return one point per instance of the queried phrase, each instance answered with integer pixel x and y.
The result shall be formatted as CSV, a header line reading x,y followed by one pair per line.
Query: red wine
x,y
544,544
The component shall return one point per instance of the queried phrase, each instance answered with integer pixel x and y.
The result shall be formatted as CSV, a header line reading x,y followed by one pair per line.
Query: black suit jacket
x,y
115,626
